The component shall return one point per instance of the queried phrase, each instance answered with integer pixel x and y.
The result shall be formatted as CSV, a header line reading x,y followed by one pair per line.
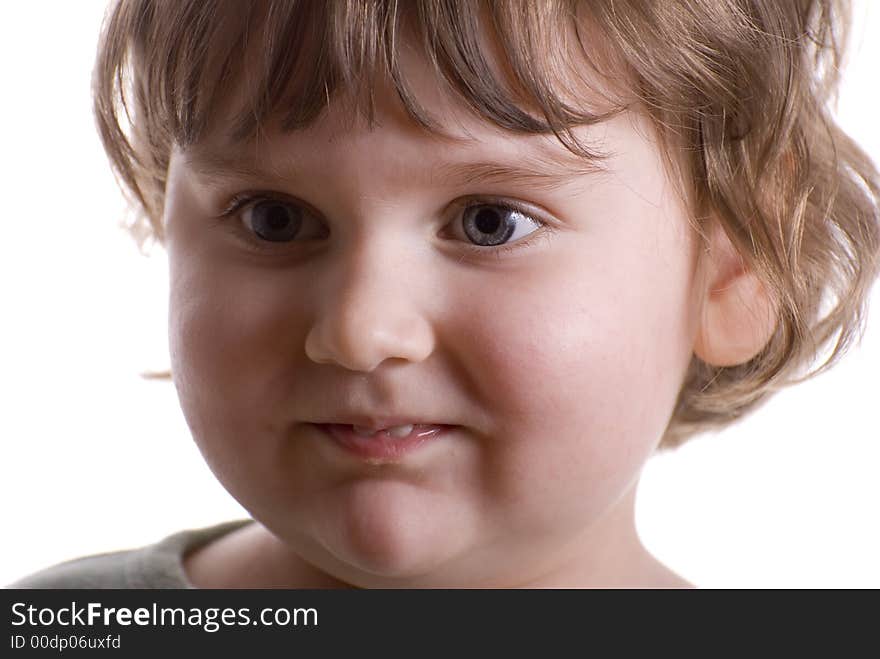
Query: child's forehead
x,y
469,150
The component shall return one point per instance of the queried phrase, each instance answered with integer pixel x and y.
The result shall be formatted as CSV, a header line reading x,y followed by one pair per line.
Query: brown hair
x,y
741,89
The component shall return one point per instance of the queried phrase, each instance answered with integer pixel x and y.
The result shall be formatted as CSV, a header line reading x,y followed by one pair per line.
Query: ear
x,y
738,314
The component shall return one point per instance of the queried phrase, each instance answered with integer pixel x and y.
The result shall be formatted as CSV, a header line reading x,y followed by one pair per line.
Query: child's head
x,y
573,230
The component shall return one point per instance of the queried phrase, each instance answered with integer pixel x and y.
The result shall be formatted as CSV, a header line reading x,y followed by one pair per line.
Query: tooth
x,y
400,431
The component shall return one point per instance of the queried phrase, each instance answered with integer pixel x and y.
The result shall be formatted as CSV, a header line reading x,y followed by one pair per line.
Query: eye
x,y
492,224
265,221
274,221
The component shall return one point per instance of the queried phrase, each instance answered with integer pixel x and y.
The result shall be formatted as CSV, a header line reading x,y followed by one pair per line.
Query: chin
x,y
391,532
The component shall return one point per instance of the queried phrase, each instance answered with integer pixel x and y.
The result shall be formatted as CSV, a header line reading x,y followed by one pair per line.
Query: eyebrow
x,y
544,172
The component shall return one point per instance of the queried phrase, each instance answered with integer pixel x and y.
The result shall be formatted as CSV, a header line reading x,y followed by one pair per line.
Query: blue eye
x,y
274,221
490,225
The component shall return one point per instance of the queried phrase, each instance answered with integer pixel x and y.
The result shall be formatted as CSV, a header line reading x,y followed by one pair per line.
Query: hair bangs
x,y
286,62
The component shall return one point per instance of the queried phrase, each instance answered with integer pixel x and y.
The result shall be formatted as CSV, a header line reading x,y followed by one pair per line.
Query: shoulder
x,y
98,571
158,565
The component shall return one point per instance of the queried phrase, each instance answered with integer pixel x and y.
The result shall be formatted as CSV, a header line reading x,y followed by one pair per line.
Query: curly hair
x,y
740,93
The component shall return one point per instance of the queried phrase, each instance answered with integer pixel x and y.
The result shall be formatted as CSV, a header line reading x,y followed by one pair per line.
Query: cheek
x,y
581,367
228,336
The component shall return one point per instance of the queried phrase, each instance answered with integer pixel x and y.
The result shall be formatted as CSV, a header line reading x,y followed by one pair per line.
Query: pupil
x,y
487,221
276,222
277,218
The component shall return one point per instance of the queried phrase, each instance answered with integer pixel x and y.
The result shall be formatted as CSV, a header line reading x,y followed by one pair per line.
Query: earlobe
x,y
738,315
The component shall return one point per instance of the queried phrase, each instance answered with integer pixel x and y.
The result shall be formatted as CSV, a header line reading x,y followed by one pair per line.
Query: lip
x,y
381,448
368,421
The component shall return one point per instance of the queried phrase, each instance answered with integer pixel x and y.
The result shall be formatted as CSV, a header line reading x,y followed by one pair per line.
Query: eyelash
x,y
243,200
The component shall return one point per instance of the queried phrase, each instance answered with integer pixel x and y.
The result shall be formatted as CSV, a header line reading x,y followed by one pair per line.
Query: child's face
x,y
559,363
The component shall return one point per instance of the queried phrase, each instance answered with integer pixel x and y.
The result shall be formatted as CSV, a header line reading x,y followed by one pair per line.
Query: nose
x,y
369,312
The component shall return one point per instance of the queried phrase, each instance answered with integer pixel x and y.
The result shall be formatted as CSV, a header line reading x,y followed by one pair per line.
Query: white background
x,y
93,458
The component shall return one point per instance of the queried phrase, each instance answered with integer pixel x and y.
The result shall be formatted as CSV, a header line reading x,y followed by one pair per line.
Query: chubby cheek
x,y
228,338
581,369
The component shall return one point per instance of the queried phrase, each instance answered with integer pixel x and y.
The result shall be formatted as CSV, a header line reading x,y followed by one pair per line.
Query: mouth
x,y
385,444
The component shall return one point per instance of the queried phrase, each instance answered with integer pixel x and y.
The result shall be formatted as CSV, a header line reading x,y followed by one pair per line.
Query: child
x,y
514,249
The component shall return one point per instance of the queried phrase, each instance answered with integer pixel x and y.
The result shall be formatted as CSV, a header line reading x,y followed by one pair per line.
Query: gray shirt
x,y
154,566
